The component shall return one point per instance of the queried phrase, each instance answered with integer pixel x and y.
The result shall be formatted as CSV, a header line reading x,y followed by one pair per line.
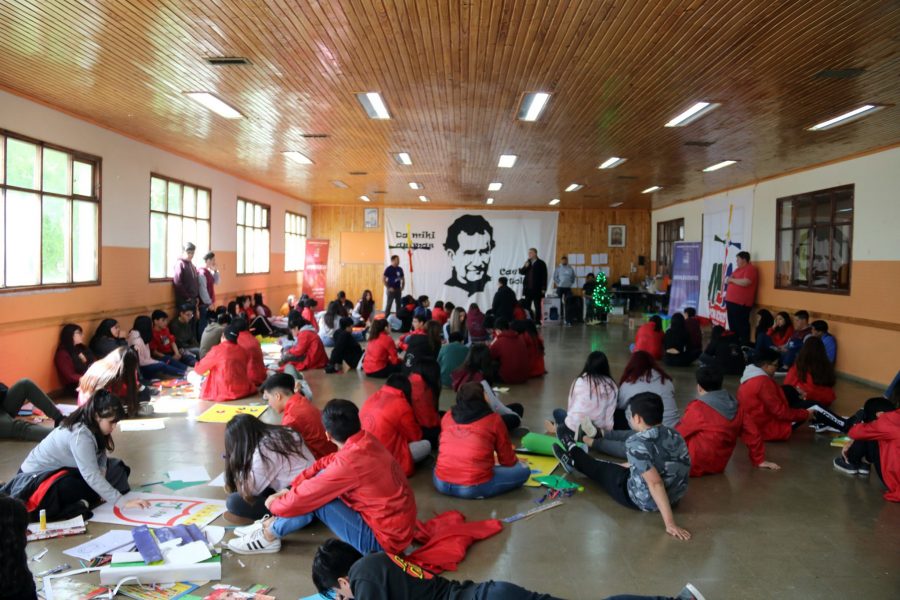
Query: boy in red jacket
x,y
388,415
298,413
359,493
256,366
875,443
511,353
225,367
309,351
763,400
711,426
163,346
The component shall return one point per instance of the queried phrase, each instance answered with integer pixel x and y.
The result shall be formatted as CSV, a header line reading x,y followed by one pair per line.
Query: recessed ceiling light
x,y
554,202
856,113
214,104
692,114
494,186
298,156
489,201
574,187
612,161
339,184
374,105
533,104
403,158
507,161
365,198
415,185
719,165
652,189
423,198
616,204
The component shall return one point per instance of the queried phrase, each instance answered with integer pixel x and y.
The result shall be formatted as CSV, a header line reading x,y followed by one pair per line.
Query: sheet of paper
x,y
67,524
189,473
224,413
106,543
219,481
67,409
142,424
576,259
599,259
126,557
165,510
188,554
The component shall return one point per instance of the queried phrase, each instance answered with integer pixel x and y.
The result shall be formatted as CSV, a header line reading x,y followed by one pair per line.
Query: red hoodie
x,y
535,345
404,339
783,338
304,418
256,368
308,352
440,315
365,477
649,340
308,314
886,431
423,404
820,394
226,365
763,401
711,437
466,451
388,416
511,352
380,353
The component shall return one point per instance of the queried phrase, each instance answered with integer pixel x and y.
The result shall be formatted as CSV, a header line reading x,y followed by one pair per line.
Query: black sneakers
x,y
845,466
565,459
565,436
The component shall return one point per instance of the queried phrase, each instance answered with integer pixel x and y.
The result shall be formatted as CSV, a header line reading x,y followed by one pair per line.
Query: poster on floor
x,y
727,221
315,272
685,290
458,255
164,511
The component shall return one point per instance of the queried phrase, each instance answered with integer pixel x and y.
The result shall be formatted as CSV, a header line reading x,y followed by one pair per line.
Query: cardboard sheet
x,y
540,465
222,413
165,511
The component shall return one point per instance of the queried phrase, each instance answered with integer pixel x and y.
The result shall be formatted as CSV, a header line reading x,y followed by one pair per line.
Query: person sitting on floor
x,y
307,312
422,309
875,443
655,476
475,324
677,342
763,399
724,351
439,314
184,331
592,401
11,401
212,335
451,356
764,323
139,338
423,347
644,374
297,412
801,331
18,582
510,353
425,385
811,379
417,328
712,424
457,324
224,369
308,352
346,348
820,330
527,330
695,333
471,434
261,459
365,308
481,368
329,322
107,337
117,372
72,357
649,338
388,415
256,365
163,346
380,359
359,492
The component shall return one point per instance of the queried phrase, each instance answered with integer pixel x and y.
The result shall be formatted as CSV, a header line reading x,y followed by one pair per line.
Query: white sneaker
x,y
587,428
248,529
255,543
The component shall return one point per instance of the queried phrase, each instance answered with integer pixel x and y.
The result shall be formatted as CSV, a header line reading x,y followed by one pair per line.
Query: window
x,y
813,238
294,241
49,215
667,233
179,213
252,237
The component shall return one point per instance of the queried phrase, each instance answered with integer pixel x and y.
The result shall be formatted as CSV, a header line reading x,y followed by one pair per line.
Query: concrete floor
x,y
803,532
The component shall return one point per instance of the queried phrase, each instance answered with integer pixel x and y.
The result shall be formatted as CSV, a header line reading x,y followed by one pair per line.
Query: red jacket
x,y
70,373
782,339
308,352
404,339
310,316
440,315
226,365
423,403
886,431
366,478
764,403
388,416
820,394
510,351
162,341
519,313
304,418
535,345
711,438
256,368
466,451
380,353
649,340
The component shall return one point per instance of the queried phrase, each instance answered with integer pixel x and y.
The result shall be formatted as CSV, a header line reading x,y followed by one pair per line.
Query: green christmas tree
x,y
601,297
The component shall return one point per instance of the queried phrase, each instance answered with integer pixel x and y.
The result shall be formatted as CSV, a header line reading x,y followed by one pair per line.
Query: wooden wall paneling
x,y
328,222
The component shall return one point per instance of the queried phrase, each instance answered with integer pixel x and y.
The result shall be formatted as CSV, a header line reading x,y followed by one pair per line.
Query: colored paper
x,y
539,465
224,413
165,511
174,591
540,443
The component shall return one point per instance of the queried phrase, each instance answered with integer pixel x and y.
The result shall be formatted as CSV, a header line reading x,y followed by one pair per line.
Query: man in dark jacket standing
x,y
504,300
186,279
535,284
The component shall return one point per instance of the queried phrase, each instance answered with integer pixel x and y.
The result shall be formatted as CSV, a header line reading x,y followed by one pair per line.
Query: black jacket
x,y
504,302
535,277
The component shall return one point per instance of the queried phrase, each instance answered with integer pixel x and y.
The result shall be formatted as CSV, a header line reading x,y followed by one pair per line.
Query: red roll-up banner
x,y
316,270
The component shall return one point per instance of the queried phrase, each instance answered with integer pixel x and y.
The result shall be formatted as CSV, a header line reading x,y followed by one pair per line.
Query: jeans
x,y
419,450
564,293
612,477
347,524
868,450
505,479
21,392
202,320
385,372
327,340
171,367
237,506
739,320
393,297
612,442
790,355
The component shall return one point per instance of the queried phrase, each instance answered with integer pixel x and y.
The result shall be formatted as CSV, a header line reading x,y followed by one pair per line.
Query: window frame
x,y
304,236
267,227
96,186
664,226
780,228
167,179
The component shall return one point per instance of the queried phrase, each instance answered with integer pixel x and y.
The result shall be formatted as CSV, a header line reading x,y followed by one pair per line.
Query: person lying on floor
x,y
11,401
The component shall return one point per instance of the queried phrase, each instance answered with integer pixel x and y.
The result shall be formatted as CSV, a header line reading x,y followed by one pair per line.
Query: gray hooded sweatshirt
x,y
722,402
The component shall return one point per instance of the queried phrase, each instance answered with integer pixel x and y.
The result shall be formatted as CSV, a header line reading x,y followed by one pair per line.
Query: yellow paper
x,y
225,412
540,466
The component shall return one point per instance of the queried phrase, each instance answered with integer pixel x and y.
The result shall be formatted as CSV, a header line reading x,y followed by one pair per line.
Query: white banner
x,y
458,255
727,221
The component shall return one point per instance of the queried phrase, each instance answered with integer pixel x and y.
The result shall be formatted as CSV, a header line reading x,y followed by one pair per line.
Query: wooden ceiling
x,y
452,73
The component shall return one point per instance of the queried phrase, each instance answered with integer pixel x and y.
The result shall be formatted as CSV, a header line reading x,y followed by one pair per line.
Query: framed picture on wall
x,y
616,236
371,218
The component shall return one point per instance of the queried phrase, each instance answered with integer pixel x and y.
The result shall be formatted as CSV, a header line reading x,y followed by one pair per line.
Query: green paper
x,y
180,485
556,482
540,443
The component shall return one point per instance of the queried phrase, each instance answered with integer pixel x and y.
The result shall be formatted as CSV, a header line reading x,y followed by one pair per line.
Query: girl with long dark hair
x,y
388,415
139,339
782,330
676,342
364,307
425,383
644,374
649,338
592,399
765,322
107,337
811,379
480,368
72,357
18,583
527,330
117,372
423,347
380,359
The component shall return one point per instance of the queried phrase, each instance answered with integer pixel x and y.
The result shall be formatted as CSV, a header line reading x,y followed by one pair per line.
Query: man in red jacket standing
x,y
511,353
359,492
740,296
711,426
764,401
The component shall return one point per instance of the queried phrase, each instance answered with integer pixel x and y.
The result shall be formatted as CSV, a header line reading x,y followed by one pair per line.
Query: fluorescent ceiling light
x,y
856,113
554,202
415,185
652,189
298,156
365,198
494,186
719,165
403,158
574,187
374,106
612,161
339,184
489,201
533,104
214,104
616,204
692,114
423,198
507,161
